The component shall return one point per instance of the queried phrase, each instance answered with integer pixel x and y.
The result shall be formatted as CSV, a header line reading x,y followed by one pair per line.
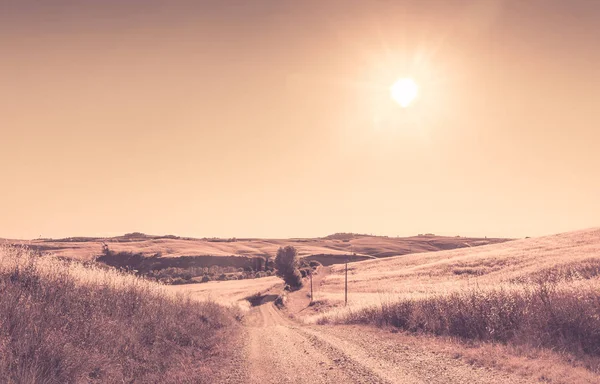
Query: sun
x,y
404,91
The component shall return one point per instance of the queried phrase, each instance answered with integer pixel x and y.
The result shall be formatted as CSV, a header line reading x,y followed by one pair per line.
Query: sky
x,y
274,118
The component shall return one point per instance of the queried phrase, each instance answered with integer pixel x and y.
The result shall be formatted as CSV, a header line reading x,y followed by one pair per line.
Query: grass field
x,y
172,246
231,293
570,255
63,322
542,292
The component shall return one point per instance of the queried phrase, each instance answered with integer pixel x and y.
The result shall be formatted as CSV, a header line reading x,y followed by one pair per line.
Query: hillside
x,y
64,322
362,246
537,296
426,274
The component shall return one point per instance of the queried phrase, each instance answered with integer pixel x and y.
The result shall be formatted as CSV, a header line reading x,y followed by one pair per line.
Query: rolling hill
x,y
327,249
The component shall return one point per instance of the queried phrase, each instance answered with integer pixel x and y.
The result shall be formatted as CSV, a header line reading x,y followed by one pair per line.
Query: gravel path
x,y
279,350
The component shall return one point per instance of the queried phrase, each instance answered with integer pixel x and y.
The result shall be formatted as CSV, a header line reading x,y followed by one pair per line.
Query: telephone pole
x,y
311,287
346,285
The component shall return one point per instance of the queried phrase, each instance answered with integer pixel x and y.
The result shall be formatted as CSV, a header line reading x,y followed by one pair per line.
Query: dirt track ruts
x,y
279,350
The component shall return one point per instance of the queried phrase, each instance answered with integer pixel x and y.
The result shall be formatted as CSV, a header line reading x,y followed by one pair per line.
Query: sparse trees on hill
x,y
286,265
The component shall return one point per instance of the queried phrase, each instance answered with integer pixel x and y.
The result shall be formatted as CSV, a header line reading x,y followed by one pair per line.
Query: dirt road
x,y
279,350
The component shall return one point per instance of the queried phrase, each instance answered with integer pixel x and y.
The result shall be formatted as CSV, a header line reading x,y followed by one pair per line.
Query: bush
x,y
179,281
281,300
295,280
304,272
255,299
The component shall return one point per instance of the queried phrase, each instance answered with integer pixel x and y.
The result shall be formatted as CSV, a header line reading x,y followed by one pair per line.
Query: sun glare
x,y
404,91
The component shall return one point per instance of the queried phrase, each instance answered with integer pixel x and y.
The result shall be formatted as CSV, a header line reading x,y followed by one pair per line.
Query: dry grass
x,y
63,322
230,293
569,272
535,294
566,320
428,274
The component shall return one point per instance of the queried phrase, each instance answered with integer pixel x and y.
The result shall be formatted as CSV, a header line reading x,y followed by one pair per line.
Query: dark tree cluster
x,y
286,266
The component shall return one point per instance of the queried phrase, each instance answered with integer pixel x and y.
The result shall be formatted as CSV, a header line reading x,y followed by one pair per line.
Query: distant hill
x,y
341,245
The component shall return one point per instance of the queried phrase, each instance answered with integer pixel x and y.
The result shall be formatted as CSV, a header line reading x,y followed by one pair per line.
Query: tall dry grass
x,y
545,314
64,322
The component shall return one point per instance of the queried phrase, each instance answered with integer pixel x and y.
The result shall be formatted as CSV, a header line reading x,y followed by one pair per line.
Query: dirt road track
x,y
279,350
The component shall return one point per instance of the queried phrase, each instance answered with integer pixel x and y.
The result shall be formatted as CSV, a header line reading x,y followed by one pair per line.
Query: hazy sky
x,y
273,118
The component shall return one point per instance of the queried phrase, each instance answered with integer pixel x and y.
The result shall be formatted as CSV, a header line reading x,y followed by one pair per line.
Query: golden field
x,y
428,274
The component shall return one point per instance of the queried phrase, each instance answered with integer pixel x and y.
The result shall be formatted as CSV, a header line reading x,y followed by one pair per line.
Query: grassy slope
x,y
540,292
426,274
231,293
61,322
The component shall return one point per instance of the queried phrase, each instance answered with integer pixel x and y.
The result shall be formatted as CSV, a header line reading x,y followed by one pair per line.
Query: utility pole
x,y
346,286
311,287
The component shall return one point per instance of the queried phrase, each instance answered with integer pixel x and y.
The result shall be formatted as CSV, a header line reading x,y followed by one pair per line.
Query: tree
x,y
286,264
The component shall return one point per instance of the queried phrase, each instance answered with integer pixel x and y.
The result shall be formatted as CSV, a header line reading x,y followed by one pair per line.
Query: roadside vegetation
x,y
65,322
533,294
541,315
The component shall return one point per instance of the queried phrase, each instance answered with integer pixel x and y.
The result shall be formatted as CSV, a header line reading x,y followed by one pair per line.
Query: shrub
x,y
304,272
294,281
179,281
281,300
255,299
